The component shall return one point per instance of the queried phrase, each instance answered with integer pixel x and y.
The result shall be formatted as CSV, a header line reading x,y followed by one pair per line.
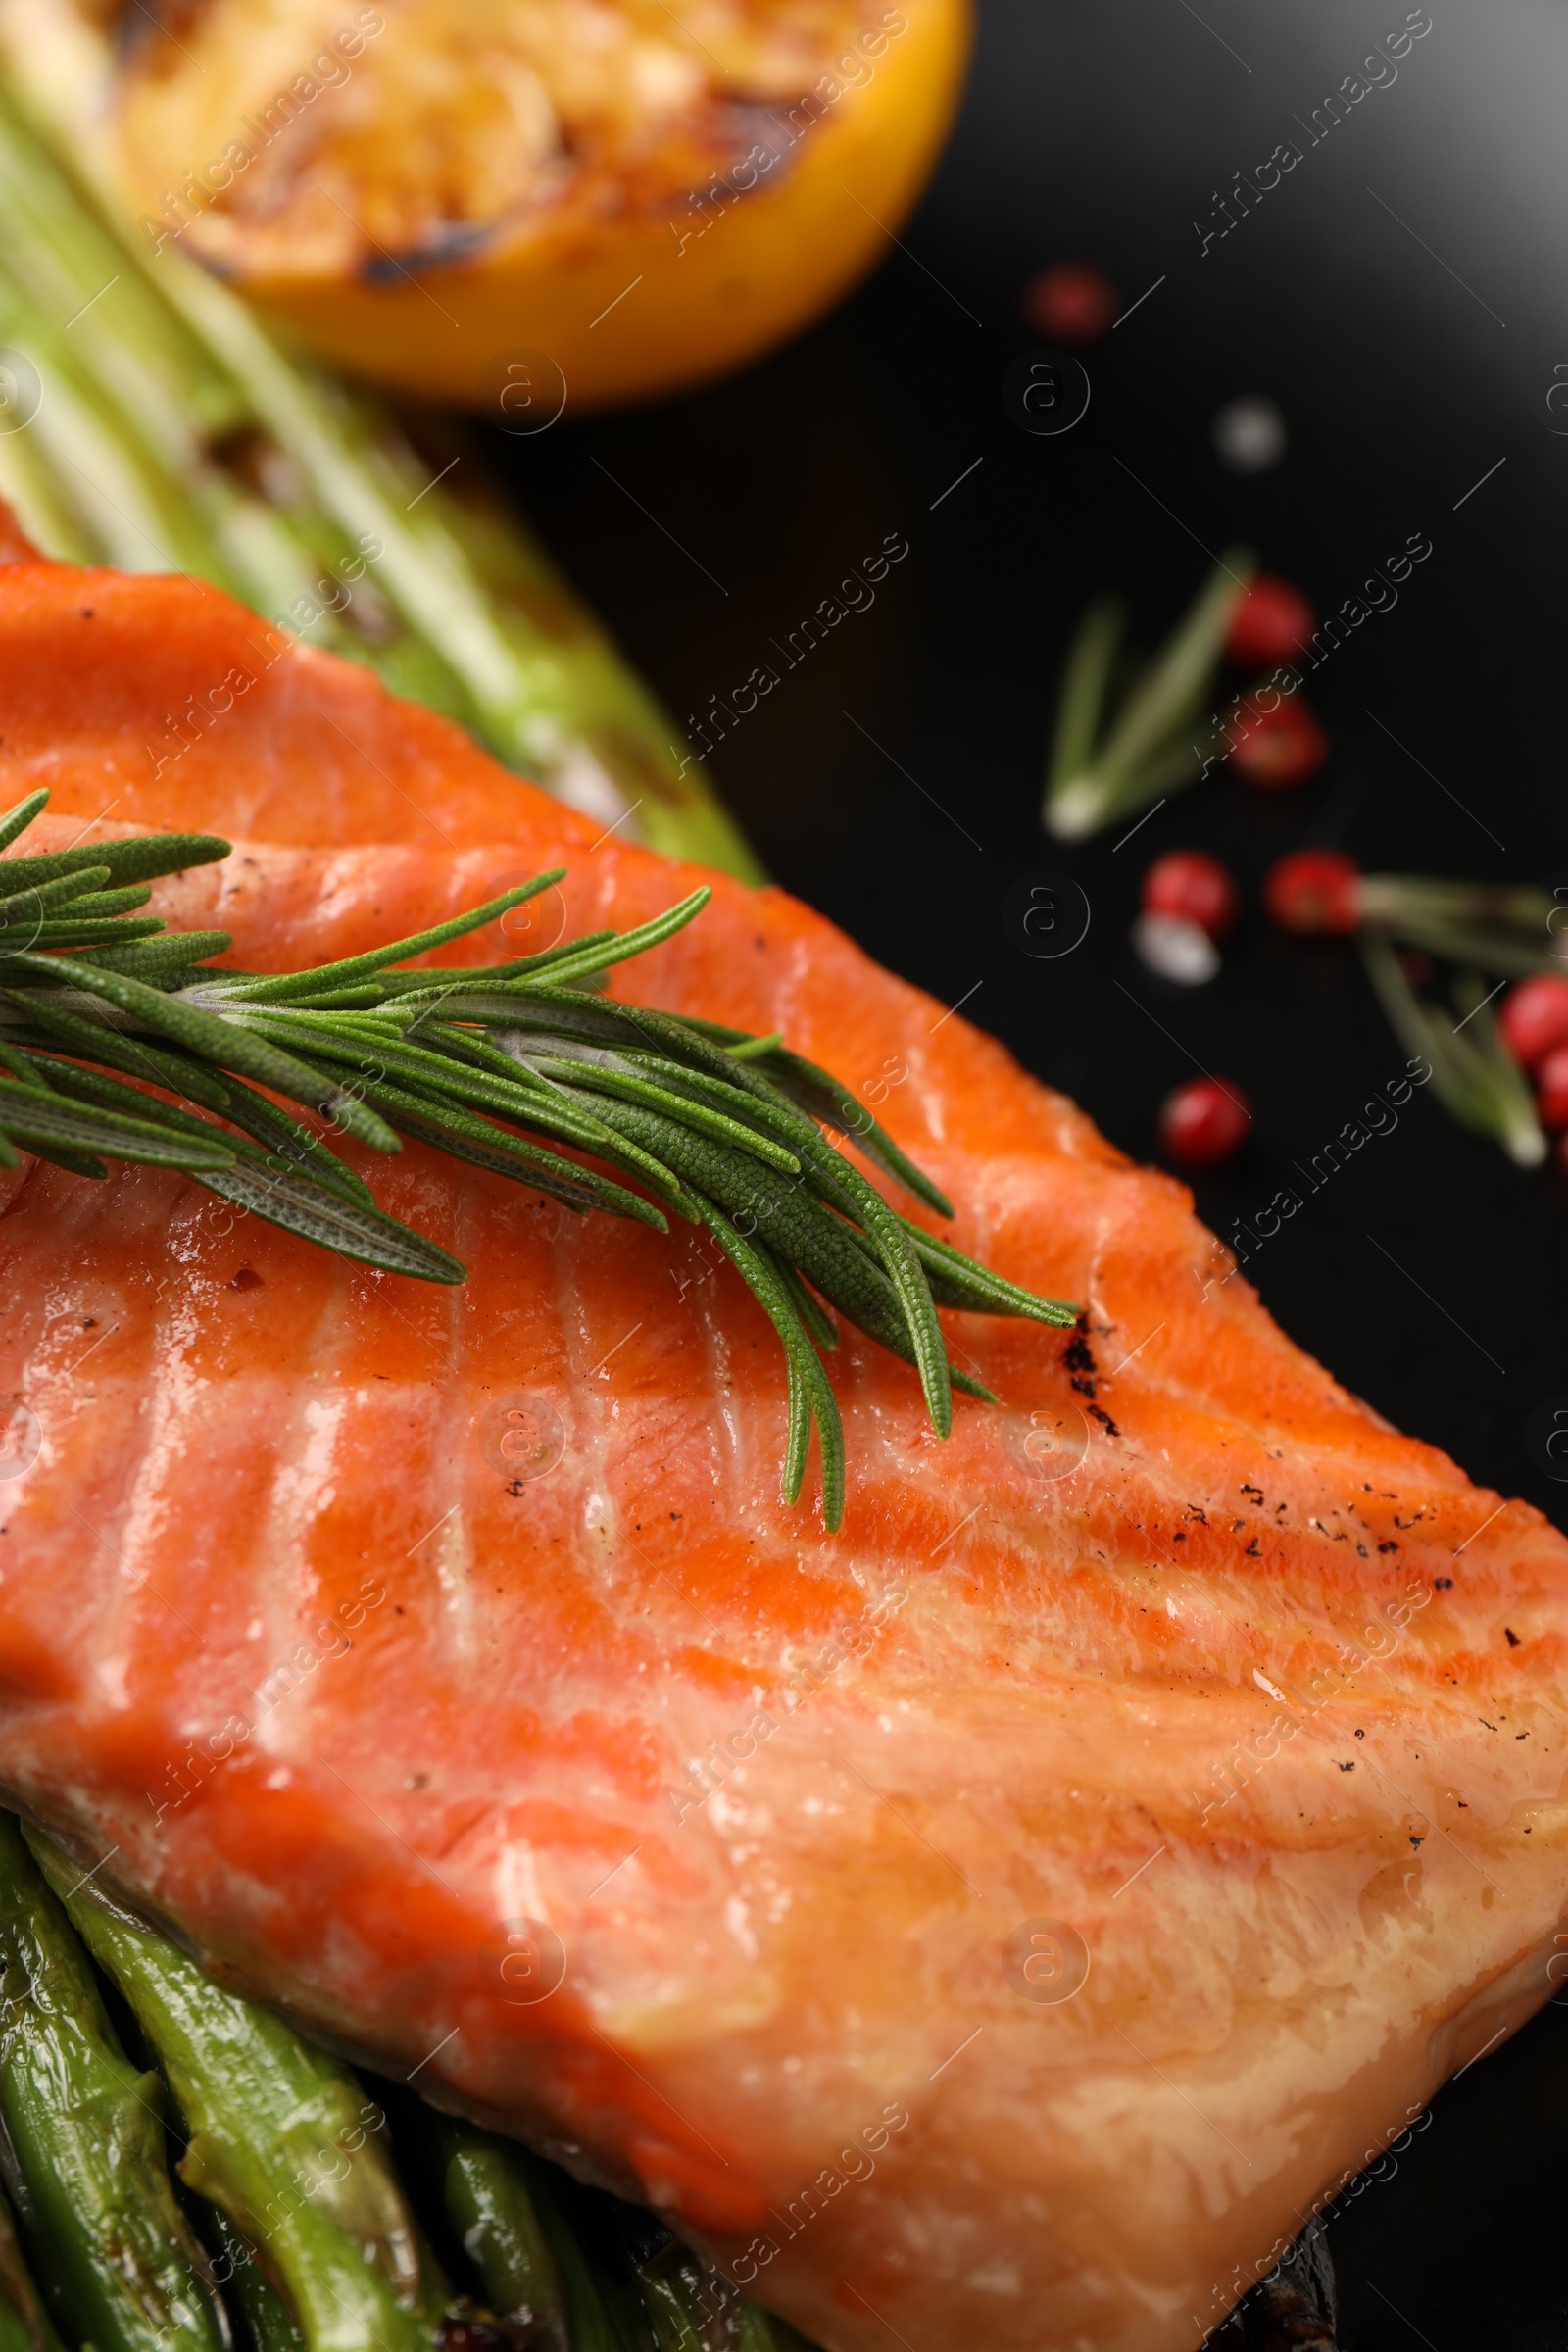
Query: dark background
x,y
1103,129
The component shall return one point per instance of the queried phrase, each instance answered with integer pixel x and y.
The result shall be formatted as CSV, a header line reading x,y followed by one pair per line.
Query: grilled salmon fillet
x,y
1004,1923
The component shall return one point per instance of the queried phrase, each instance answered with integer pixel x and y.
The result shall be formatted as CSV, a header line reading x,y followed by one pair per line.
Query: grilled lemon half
x,y
513,203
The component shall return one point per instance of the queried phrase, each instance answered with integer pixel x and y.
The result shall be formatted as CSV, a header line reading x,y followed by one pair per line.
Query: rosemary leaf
x,y
141,857
284,1141
137,1056
1143,752
435,980
301,1207
484,1146
16,821
292,1149
695,1115
93,906
902,1268
553,1110
807,1087
819,1095
68,932
775,1208
34,1114
23,1067
283,987
1489,951
820,1325
219,1042
458,1140
392,1057
904,1271
1085,683
477,1052
1498,1076
41,898
157,959
569,1015
70,1078
757,1266
990,1293
651,934
1474,1077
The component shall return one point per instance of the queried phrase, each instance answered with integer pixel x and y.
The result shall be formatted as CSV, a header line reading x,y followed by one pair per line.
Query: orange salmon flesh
x,y
1002,1923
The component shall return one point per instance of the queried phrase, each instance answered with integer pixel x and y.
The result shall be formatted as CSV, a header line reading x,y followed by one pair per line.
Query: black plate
x,y
1399,296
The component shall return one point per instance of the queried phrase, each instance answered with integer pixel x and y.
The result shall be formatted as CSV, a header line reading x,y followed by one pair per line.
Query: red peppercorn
x,y
1315,890
1276,749
1551,1089
1271,623
1533,1018
1204,1122
1072,301
1196,888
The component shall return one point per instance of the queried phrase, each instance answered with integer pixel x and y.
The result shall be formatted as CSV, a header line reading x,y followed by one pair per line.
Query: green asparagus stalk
x,y
759,2331
681,2318
281,2137
25,2325
307,2254
174,432
488,2190
689,2305
259,2319
85,2134
648,2293
266,2317
594,2302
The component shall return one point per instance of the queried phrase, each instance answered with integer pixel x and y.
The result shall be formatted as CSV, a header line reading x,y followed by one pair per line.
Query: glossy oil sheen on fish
x,y
1003,1923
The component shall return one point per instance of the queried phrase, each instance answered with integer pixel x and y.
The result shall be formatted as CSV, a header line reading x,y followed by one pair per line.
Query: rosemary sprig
x,y
1497,930
1108,760
1495,927
1481,931
1474,1076
496,1065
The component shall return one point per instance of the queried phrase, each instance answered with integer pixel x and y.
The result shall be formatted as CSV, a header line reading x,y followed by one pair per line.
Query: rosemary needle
x,y
493,1065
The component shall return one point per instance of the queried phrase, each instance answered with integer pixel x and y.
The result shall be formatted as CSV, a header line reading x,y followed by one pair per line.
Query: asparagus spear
x,y
85,2135
487,2187
281,2137
689,2305
174,431
25,2325
268,2319
759,2331
595,2301
298,2192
